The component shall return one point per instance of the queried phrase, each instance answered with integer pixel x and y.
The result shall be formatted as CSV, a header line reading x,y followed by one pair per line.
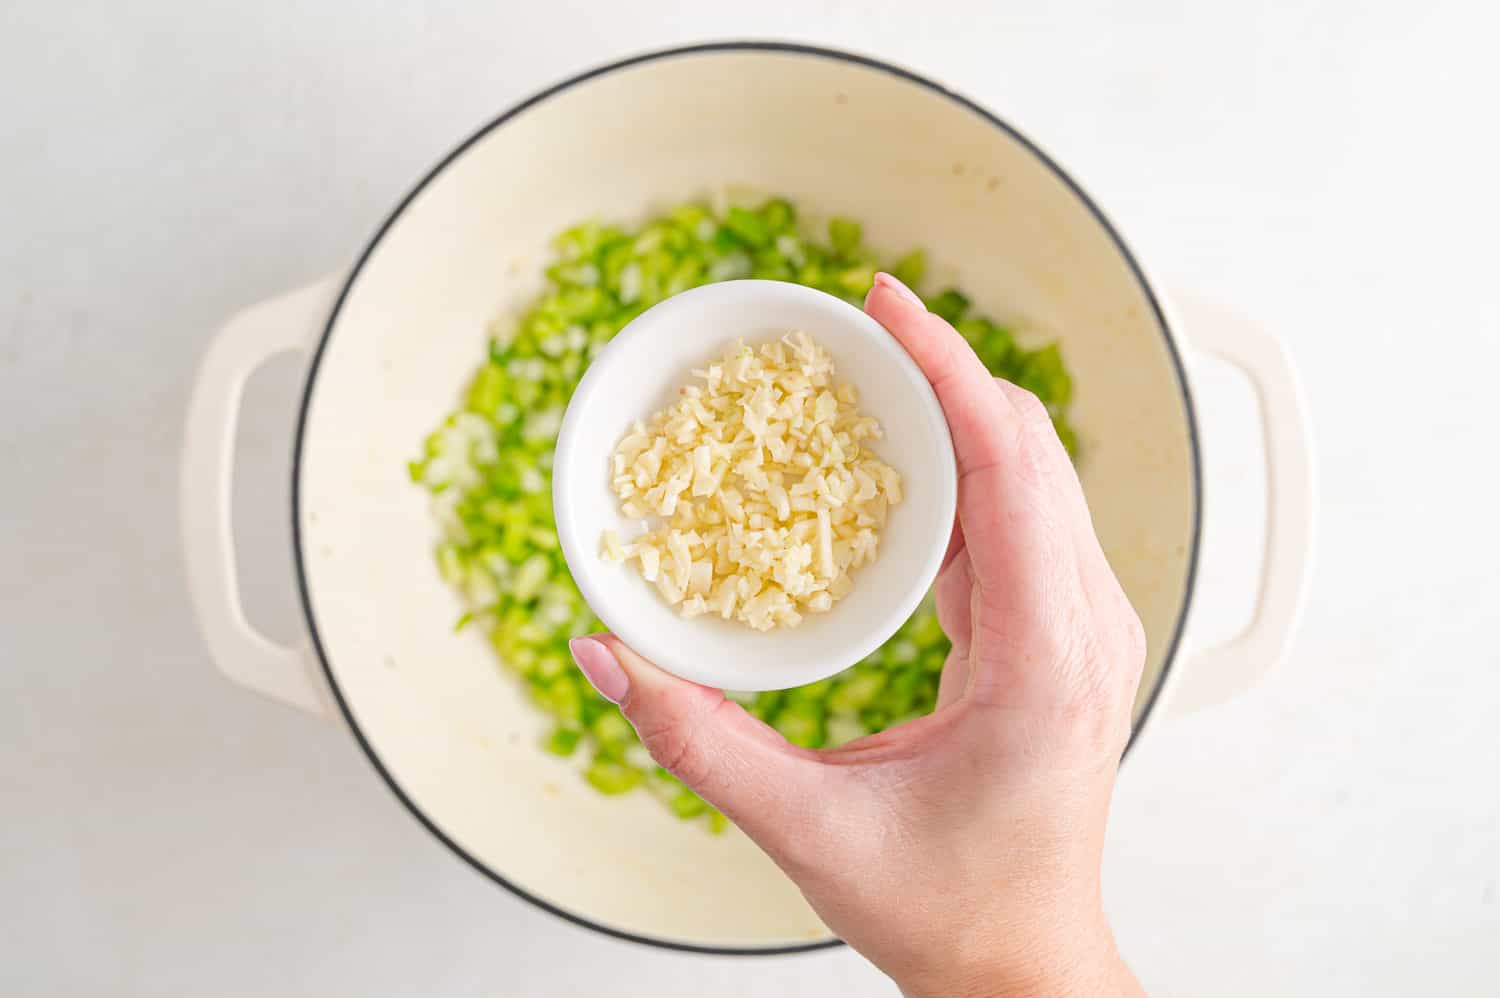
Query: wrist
x,y
1091,969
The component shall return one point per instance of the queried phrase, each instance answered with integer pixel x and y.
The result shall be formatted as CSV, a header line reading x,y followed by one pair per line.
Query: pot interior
x,y
920,168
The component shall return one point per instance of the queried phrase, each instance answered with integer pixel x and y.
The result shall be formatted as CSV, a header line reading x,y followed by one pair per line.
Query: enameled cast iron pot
x,y
393,339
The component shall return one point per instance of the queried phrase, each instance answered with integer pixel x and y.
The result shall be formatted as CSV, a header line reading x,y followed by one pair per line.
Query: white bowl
x,y
641,371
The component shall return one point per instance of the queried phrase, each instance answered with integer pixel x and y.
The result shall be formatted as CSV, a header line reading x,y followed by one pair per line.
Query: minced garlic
x,y
765,496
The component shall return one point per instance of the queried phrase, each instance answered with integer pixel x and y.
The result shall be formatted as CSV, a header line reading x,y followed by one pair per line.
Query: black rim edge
x,y
734,46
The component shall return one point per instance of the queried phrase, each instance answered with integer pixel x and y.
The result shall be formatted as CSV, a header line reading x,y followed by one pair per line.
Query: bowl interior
x,y
642,370
450,730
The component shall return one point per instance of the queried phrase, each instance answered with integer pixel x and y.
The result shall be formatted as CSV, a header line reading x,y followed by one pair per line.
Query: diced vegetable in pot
x,y
488,467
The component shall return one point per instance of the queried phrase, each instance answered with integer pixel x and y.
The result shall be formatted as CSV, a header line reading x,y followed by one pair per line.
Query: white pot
x,y
393,342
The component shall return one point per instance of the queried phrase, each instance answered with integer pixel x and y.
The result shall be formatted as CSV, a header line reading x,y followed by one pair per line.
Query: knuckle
x,y
1032,411
1118,649
1032,459
677,746
1128,635
1103,654
1035,441
1100,711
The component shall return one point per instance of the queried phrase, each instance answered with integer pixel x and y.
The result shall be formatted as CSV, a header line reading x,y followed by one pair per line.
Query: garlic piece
x,y
764,499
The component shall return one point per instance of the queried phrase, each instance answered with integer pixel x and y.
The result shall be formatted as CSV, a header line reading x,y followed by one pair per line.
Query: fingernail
x,y
901,289
600,667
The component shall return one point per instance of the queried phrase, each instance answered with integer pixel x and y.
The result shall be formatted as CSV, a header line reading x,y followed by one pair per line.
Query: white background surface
x,y
1329,168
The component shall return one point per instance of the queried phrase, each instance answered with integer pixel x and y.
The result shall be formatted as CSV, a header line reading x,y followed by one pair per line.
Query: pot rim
x,y
747,45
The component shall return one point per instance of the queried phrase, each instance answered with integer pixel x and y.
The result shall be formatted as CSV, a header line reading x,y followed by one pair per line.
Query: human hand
x,y
959,852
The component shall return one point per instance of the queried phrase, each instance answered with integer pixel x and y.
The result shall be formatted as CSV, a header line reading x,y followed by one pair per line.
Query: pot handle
x,y
1214,675
290,322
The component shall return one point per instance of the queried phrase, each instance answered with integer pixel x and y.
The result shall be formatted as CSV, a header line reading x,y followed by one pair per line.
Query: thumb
x,y
737,763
